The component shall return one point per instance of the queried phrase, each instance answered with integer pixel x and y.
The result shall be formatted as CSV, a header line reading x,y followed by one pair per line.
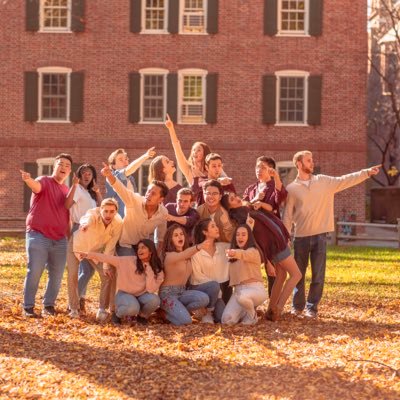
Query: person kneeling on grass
x,y
245,277
176,300
138,278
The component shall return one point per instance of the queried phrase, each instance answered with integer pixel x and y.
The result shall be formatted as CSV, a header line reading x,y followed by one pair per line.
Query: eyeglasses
x,y
211,194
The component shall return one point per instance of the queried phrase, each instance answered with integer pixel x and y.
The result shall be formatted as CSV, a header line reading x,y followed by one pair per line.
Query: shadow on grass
x,y
143,375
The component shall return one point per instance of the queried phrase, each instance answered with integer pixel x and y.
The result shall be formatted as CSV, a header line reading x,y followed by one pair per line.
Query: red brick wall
x,y
239,53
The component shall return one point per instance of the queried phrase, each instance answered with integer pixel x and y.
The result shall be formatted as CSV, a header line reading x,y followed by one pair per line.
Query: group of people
x,y
191,252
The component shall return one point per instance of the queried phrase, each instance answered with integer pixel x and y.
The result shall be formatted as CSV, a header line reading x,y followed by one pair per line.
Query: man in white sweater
x,y
309,207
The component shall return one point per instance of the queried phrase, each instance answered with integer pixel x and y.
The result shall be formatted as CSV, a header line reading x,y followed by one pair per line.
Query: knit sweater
x,y
246,267
127,279
311,208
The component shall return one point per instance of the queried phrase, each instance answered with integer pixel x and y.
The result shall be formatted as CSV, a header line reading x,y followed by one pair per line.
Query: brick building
x,y
247,77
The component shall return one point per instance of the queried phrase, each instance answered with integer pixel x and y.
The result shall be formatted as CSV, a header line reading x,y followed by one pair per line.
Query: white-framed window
x,y
287,171
193,16
292,96
293,17
192,96
55,15
46,167
142,177
154,16
153,91
54,94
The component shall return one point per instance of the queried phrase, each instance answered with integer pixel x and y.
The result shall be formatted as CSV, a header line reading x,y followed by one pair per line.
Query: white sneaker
x,y
208,318
74,313
101,315
310,313
250,320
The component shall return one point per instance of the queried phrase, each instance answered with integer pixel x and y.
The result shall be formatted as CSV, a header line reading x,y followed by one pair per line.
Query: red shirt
x,y
48,214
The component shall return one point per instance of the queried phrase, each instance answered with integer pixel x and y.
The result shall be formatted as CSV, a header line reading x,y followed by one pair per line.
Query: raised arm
x,y
136,164
183,163
69,201
126,195
34,185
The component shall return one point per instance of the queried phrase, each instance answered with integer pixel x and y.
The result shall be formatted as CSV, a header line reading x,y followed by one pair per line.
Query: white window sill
x,y
194,33
160,32
300,124
53,121
292,34
55,31
192,123
152,122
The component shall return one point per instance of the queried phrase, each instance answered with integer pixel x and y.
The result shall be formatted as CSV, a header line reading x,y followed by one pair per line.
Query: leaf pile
x,y
295,358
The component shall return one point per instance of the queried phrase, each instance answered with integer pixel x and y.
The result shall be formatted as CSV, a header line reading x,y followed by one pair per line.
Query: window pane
x,y
291,101
153,97
155,14
54,96
292,15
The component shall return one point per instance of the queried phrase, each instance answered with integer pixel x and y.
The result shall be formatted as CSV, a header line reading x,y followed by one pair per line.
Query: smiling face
x,y
212,196
178,239
234,201
197,153
143,252
62,169
242,237
153,196
86,177
212,231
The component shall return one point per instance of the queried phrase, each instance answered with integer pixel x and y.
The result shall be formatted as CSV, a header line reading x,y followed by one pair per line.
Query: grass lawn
x,y
352,351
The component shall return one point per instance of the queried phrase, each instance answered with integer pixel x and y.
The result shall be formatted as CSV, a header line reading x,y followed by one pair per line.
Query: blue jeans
x,y
86,271
127,304
44,253
313,248
211,289
177,302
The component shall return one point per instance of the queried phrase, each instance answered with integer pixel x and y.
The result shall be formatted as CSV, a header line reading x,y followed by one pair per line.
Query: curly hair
x,y
79,174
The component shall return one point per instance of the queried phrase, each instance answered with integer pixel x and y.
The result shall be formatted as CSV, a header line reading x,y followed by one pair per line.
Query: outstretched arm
x,y
180,157
136,164
35,186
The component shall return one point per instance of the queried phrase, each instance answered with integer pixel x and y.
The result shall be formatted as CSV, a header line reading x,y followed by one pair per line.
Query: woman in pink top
x,y
176,300
138,280
245,277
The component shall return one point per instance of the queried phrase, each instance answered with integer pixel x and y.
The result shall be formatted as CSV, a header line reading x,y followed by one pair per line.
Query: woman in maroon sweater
x,y
272,237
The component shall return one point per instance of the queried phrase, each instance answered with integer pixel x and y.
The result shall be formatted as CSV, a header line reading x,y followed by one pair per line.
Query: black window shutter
x,y
78,15
173,16
269,99
316,15
270,17
136,16
211,98
32,15
172,96
31,95
314,99
134,97
32,169
76,97
212,16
